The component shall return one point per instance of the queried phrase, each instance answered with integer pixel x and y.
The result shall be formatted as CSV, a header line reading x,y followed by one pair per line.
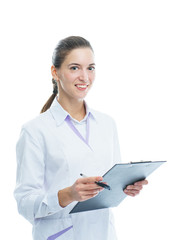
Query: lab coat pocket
x,y
53,229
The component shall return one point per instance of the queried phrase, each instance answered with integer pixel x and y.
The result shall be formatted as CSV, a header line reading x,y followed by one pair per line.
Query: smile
x,y
81,86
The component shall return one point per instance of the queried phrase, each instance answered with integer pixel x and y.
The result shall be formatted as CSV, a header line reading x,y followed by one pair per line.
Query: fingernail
x,y
100,178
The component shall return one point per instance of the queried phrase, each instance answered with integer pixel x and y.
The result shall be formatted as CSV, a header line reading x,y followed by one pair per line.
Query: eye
x,y
74,68
91,68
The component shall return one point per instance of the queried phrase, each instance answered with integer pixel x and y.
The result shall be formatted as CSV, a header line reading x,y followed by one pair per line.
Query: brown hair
x,y
64,47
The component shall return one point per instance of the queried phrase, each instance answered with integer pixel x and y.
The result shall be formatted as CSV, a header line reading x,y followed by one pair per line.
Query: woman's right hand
x,y
83,189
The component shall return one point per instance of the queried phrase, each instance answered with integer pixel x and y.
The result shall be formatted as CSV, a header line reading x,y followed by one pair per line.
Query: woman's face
x,y
76,74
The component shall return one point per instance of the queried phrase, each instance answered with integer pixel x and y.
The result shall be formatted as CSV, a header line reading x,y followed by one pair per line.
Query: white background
x,y
131,40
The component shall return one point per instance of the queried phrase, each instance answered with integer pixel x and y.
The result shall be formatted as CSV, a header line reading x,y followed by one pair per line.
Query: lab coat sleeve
x,y
32,199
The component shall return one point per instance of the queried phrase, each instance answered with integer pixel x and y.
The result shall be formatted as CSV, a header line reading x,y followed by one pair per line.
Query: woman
x,y
66,139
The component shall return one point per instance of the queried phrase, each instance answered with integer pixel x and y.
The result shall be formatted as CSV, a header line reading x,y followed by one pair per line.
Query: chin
x,y
80,96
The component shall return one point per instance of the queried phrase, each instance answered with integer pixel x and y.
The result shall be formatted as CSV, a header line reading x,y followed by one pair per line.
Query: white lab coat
x,y
50,157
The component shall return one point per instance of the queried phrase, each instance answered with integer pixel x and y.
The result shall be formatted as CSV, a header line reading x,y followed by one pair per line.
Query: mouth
x,y
81,87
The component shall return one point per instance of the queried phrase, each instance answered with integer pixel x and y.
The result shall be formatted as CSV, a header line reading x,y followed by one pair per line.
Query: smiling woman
x,y
75,76
66,139
73,58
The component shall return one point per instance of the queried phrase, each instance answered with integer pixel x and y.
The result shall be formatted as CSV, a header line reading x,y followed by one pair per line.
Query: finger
x,y
131,192
134,187
90,194
90,179
86,186
143,182
105,183
127,193
93,186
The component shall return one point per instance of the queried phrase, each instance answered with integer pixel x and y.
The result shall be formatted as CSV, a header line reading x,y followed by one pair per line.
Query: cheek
x,y
92,77
68,78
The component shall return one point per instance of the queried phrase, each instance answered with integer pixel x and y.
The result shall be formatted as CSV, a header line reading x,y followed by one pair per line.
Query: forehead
x,y
81,56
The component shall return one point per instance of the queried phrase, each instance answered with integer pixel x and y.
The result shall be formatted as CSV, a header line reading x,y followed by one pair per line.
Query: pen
x,y
101,184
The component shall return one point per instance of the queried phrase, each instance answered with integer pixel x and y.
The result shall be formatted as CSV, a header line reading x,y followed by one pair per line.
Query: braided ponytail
x,y
52,97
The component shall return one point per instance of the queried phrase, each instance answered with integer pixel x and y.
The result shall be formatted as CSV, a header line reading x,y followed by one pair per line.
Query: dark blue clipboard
x,y
118,177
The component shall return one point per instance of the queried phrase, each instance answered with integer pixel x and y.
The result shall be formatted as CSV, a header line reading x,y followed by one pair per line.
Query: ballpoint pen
x,y
101,184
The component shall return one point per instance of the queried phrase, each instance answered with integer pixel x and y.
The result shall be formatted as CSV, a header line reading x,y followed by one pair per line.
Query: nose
x,y
84,76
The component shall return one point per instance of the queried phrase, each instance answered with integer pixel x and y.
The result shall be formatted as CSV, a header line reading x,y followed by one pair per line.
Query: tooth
x,y
81,86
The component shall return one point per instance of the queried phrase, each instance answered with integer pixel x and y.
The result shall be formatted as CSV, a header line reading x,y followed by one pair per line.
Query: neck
x,y
75,108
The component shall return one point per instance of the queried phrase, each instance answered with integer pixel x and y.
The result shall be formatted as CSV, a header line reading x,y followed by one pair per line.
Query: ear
x,y
54,73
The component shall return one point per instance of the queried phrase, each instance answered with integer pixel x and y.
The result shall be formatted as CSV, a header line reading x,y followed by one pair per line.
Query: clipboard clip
x,y
142,161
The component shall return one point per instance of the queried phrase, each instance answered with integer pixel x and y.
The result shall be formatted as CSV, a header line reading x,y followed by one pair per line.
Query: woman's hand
x,y
83,189
133,190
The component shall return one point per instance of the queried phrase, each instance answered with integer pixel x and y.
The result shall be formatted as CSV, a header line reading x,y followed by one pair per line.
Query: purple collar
x,y
75,130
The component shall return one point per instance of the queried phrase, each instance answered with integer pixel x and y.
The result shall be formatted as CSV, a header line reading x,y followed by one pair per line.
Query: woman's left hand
x,y
133,190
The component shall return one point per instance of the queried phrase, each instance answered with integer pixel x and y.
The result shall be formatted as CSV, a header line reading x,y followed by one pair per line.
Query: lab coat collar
x,y
59,113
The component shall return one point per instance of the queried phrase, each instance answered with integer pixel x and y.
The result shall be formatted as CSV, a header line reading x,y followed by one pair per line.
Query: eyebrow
x,y
77,64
